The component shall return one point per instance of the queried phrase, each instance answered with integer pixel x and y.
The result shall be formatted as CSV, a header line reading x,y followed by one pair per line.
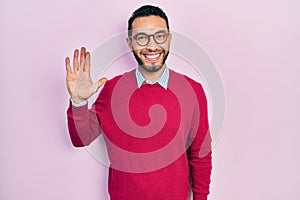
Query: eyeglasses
x,y
159,37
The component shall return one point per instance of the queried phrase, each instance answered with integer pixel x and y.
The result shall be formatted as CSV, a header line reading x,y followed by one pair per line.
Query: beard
x,y
151,67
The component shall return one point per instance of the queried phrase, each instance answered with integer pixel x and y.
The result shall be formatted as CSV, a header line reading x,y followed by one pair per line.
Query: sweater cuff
x,y
77,113
199,196
78,104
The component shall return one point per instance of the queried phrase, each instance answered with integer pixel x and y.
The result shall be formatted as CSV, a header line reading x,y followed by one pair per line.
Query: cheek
x,y
137,48
166,46
137,52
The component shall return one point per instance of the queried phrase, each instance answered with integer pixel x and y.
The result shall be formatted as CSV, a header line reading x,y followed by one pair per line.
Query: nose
x,y
152,45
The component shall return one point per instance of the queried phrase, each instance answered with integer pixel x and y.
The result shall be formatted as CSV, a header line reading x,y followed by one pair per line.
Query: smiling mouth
x,y
152,56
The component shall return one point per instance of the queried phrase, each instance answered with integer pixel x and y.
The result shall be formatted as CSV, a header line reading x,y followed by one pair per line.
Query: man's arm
x,y
199,152
83,123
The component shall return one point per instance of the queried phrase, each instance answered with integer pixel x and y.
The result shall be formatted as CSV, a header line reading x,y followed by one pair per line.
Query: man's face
x,y
151,56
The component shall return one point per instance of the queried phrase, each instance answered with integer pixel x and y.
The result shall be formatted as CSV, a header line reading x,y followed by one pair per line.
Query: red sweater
x,y
155,137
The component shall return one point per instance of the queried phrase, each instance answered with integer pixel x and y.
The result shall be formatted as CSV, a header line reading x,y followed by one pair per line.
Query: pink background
x,y
255,45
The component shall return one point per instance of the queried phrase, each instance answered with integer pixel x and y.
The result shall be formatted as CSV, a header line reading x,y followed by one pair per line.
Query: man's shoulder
x,y
184,83
191,81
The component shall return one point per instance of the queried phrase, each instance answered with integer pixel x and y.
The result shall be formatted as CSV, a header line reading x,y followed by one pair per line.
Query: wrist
x,y
78,100
81,103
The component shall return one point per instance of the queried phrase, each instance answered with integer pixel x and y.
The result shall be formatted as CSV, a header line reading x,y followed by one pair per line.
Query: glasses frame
x,y
149,37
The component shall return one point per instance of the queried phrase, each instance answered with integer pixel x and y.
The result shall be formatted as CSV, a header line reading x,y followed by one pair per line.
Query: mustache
x,y
152,51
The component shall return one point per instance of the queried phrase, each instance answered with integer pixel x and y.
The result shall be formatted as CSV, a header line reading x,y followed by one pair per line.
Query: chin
x,y
152,67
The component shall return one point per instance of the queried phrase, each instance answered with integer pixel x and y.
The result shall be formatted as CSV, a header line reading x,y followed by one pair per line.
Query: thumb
x,y
101,82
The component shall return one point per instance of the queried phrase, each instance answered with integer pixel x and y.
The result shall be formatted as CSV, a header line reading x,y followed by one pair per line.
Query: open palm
x,y
79,82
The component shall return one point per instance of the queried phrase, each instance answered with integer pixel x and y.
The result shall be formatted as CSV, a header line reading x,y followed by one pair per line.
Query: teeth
x,y
152,56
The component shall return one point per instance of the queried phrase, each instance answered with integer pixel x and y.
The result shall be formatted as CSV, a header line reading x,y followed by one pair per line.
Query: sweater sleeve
x,y
199,152
83,123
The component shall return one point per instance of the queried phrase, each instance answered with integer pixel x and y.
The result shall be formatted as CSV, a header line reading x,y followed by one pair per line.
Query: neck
x,y
151,76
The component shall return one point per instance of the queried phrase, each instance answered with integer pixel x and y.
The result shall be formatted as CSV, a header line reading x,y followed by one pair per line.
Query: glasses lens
x,y
142,39
160,37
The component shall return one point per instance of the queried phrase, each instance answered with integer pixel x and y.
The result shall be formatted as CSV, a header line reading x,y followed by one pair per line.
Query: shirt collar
x,y
162,80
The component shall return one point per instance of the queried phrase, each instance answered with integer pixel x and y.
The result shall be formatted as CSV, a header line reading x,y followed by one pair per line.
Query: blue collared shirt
x,y
162,81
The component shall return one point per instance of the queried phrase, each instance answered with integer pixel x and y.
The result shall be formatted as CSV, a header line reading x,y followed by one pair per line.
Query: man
x,y
154,120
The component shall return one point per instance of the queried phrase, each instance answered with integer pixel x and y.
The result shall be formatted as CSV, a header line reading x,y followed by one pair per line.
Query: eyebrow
x,y
152,33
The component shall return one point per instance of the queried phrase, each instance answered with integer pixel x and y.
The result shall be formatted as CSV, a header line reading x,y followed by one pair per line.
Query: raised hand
x,y
79,82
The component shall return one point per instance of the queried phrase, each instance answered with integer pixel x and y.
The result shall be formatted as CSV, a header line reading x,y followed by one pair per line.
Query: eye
x,y
160,36
142,37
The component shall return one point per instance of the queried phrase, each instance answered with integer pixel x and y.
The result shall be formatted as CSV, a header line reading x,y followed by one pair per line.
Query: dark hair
x,y
145,11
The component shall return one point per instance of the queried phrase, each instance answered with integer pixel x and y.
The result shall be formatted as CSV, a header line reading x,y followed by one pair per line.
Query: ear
x,y
129,43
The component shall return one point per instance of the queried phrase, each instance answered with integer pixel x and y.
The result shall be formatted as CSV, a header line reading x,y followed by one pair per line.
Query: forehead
x,y
149,23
